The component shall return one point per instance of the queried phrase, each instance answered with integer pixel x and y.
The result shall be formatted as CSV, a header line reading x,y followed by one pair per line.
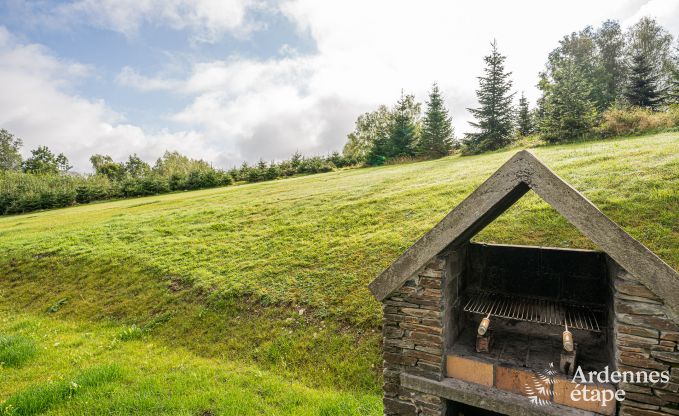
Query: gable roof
x,y
507,185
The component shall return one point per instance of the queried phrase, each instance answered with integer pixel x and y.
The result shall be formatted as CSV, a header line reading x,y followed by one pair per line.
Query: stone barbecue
x,y
481,329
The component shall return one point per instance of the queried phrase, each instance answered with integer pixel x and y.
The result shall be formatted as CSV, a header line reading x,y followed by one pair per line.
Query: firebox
x,y
523,317
532,306
483,329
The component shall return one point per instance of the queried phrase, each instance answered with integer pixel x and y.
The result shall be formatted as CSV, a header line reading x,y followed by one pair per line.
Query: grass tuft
x,y
15,350
131,333
39,398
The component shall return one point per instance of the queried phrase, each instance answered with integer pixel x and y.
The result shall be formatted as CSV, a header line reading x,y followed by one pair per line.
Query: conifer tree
x,y
642,87
377,154
673,90
494,117
524,121
403,133
437,130
673,94
649,39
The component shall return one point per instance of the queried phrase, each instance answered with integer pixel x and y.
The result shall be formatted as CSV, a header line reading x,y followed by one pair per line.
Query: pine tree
x,y
642,87
437,130
524,121
377,154
494,117
673,90
404,129
568,111
648,38
673,94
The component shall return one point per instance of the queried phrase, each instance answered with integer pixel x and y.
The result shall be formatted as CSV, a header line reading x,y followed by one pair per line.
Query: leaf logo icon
x,y
540,389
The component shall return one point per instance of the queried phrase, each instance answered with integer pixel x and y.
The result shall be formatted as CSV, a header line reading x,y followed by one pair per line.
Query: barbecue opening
x,y
533,306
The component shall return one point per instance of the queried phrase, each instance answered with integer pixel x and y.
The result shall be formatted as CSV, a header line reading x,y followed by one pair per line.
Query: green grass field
x,y
252,299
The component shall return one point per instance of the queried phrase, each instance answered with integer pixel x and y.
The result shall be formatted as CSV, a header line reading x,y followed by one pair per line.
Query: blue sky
x,y
234,80
152,48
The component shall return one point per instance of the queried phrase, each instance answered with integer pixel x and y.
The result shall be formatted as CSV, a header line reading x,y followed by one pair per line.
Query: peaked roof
x,y
517,176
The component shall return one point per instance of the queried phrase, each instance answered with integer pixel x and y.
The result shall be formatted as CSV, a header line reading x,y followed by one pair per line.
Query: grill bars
x,y
534,310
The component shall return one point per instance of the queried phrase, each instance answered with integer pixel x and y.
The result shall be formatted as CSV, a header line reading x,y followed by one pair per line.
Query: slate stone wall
x,y
646,339
419,324
414,321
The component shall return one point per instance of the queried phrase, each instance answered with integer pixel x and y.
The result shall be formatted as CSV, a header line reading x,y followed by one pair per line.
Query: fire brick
x,y
471,370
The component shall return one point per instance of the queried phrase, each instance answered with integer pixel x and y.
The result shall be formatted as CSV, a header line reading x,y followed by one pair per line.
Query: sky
x,y
238,80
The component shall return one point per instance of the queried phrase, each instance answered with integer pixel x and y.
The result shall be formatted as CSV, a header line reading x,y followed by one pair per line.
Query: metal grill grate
x,y
535,310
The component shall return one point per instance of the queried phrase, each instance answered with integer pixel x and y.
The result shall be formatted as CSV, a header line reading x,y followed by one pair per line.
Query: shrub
x,y
273,172
97,188
315,164
21,192
177,181
15,350
255,174
194,180
635,120
376,160
341,161
225,178
131,333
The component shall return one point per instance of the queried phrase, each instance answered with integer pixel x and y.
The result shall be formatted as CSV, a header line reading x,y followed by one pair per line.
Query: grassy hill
x,y
253,299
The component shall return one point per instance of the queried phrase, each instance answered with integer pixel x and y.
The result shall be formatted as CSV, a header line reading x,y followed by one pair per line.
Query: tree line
x,y
596,83
44,180
402,133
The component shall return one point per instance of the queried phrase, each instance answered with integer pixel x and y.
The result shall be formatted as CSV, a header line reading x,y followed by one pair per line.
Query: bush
x,y
130,333
376,160
97,188
341,161
24,192
255,174
635,120
21,192
201,179
315,164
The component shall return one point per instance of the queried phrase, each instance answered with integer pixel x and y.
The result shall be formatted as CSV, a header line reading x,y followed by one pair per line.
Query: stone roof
x,y
507,185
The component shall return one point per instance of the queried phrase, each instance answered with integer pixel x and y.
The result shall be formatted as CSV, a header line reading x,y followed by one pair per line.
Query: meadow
x,y
253,299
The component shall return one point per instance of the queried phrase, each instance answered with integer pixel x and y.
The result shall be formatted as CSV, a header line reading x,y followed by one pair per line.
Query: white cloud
x,y
206,20
264,109
665,11
365,53
131,78
35,105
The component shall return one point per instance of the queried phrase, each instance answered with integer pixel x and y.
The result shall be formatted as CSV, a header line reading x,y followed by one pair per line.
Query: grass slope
x,y
88,369
274,274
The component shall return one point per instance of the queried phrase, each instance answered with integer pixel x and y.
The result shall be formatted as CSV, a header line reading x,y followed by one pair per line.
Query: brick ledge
x,y
488,398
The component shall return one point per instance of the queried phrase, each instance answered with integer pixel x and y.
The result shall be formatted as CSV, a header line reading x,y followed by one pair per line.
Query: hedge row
x,y
23,192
